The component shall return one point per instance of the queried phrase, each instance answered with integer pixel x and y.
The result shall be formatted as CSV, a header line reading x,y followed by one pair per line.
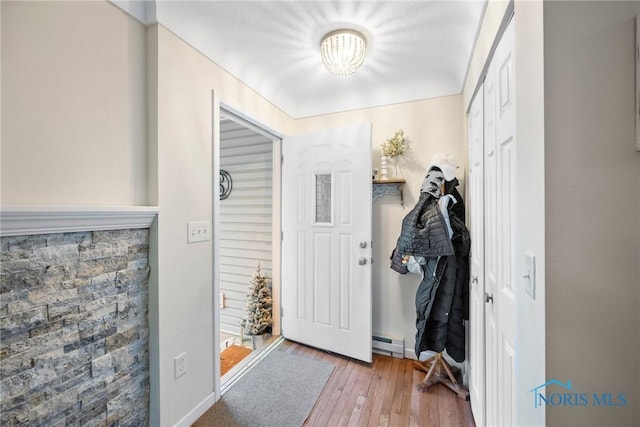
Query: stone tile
x,y
14,386
137,264
54,255
133,276
96,267
51,295
21,280
74,324
52,410
15,365
103,250
47,328
19,323
121,339
24,242
60,273
101,364
137,252
138,236
14,261
22,403
60,239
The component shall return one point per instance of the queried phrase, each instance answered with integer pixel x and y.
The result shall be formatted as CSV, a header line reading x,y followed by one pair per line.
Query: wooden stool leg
x,y
435,376
424,366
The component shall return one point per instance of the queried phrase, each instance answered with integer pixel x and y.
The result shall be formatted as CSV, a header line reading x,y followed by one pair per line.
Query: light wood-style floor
x,y
380,394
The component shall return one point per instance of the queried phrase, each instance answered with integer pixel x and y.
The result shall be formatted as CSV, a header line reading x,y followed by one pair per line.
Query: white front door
x,y
327,233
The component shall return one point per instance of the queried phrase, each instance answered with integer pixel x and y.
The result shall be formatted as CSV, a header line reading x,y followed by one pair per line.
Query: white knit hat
x,y
447,165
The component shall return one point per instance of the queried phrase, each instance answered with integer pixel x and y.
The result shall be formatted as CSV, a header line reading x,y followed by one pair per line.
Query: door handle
x,y
362,261
488,297
474,280
363,244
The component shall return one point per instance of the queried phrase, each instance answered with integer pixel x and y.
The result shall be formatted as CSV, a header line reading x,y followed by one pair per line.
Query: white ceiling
x,y
415,49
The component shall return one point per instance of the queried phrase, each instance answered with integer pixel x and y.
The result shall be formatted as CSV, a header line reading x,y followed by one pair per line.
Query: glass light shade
x,y
343,51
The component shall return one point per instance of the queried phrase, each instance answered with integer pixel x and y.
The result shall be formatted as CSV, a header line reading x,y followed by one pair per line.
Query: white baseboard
x,y
388,345
197,412
410,353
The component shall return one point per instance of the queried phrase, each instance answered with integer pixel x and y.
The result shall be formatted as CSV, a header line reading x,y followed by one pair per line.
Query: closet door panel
x,y
506,299
476,230
491,240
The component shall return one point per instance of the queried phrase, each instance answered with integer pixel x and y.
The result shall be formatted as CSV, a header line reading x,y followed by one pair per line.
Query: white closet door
x,y
499,182
492,177
476,230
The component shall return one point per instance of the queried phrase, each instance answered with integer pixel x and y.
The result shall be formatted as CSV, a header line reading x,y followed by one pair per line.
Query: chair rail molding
x,y
22,220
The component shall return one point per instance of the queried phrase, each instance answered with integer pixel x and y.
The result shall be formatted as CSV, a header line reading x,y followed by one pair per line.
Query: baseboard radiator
x,y
388,346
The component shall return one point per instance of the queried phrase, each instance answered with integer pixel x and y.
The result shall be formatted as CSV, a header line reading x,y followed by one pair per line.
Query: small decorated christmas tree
x,y
258,315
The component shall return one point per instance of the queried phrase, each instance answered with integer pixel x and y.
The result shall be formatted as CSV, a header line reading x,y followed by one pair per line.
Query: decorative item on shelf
x,y
394,148
395,167
226,184
384,172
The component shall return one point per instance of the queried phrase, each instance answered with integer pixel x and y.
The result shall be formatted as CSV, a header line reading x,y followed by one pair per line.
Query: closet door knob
x,y
362,261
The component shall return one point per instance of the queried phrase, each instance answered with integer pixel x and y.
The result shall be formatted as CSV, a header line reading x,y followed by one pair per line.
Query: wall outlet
x,y
198,231
180,365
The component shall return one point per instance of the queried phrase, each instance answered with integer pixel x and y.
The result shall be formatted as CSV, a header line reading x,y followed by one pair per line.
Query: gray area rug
x,y
279,391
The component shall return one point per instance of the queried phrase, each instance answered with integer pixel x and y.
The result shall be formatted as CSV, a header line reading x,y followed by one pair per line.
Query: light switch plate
x,y
530,274
198,231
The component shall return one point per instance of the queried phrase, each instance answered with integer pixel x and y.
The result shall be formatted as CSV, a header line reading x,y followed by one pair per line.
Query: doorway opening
x,y
249,238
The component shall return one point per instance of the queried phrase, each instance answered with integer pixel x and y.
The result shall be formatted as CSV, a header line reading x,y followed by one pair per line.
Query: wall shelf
x,y
389,187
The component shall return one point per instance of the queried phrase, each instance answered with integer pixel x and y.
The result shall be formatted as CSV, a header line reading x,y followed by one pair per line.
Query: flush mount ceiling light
x,y
343,51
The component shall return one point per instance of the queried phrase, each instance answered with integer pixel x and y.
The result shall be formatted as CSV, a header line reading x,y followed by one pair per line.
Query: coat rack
x,y
439,371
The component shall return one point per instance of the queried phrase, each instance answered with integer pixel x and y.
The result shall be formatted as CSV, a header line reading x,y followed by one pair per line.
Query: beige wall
x,y
184,83
182,115
593,207
431,126
73,98
99,110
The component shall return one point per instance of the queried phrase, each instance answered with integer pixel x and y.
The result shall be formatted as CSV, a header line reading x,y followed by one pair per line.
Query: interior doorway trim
x,y
241,118
227,385
230,113
276,138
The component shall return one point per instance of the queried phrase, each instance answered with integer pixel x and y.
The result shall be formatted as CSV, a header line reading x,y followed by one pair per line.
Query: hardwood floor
x,y
380,394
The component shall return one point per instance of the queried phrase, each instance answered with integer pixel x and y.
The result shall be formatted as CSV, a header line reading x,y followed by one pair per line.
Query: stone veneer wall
x,y
74,329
